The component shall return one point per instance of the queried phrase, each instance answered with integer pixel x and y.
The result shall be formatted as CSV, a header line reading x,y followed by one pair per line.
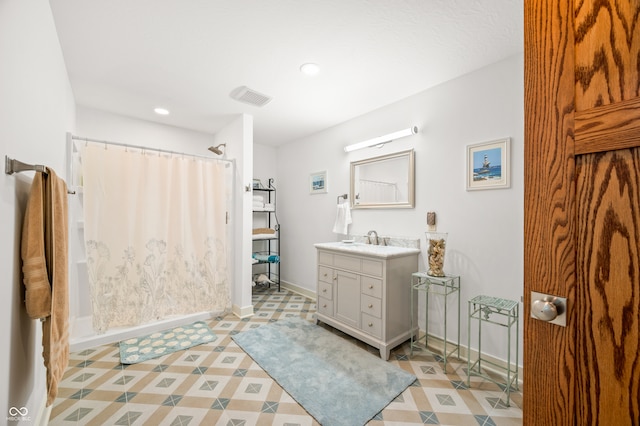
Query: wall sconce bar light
x,y
381,140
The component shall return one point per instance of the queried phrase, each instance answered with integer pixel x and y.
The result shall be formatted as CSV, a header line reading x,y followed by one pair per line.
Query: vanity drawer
x,y
325,274
347,262
325,290
371,286
372,267
324,306
372,325
325,258
371,305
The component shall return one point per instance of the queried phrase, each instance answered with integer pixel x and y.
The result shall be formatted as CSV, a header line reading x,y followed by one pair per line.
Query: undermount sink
x,y
368,249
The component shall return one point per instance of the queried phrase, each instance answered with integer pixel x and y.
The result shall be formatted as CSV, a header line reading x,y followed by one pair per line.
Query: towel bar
x,y
12,166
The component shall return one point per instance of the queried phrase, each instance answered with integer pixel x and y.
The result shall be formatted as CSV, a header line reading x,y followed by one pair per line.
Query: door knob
x,y
548,308
544,310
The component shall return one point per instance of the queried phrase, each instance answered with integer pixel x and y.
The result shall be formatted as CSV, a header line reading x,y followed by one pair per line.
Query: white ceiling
x,y
129,56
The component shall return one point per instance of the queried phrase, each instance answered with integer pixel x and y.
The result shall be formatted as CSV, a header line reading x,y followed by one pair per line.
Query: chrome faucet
x,y
375,242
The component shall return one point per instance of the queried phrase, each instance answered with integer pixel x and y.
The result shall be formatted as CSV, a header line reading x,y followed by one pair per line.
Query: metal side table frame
x,y
442,286
481,308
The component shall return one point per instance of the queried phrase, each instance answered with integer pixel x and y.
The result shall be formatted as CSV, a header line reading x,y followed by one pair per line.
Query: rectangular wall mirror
x,y
386,181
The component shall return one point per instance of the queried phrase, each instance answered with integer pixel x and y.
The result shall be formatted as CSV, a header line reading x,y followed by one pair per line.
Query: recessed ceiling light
x,y
161,111
310,68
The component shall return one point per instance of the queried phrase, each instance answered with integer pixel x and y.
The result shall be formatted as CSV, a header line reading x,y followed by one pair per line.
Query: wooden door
x,y
582,210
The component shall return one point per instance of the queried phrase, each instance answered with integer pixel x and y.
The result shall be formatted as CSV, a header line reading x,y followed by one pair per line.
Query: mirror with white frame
x,y
386,181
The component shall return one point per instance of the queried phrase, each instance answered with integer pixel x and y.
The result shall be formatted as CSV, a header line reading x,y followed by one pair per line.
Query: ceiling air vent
x,y
250,96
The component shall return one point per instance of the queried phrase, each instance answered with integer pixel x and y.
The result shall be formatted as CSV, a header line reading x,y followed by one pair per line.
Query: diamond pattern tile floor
x,y
218,384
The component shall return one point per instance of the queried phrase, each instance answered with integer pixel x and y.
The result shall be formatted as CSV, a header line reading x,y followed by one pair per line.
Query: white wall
x,y
265,163
485,245
36,109
238,135
97,124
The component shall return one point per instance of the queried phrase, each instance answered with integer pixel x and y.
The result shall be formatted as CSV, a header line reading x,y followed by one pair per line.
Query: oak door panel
x,y
608,296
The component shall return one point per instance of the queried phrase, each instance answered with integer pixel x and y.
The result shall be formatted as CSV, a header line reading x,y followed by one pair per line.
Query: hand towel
x,y
343,219
46,226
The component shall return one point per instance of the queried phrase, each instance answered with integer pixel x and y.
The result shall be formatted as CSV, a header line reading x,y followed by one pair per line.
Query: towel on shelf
x,y
343,219
270,258
44,251
257,231
258,198
269,207
263,233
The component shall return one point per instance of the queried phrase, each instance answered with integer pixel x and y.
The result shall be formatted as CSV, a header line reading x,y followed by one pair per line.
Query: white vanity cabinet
x,y
366,292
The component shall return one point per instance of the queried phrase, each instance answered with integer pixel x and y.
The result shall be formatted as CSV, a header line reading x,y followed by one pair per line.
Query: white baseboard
x,y
299,290
437,343
43,414
244,312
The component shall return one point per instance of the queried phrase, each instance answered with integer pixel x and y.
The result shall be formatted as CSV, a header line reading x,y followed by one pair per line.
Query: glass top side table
x,y
422,283
504,313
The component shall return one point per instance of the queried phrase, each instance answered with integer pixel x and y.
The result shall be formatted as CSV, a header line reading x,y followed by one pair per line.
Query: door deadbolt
x,y
548,308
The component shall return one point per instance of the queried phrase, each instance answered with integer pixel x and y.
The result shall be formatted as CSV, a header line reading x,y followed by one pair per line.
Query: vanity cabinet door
x,y
347,298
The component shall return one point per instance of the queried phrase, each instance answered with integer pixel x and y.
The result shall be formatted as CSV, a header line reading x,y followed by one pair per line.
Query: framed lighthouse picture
x,y
488,165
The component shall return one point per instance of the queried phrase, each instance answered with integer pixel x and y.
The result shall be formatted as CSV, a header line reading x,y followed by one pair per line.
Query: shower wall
x,y
101,125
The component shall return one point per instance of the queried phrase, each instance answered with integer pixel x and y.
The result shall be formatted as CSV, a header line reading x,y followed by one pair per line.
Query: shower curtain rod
x,y
145,148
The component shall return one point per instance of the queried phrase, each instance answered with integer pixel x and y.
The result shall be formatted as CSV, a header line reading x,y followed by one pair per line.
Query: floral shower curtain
x,y
155,235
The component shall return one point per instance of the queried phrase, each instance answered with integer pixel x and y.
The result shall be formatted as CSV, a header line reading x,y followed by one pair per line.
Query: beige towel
x,y
34,263
44,255
257,231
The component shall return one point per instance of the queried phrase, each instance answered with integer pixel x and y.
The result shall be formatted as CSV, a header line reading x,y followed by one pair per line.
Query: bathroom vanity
x,y
365,291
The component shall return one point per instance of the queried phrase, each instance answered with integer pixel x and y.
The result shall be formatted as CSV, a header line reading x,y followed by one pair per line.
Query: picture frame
x,y
488,165
257,184
318,182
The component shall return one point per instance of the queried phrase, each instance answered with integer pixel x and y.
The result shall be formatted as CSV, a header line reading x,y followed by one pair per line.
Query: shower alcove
x,y
81,330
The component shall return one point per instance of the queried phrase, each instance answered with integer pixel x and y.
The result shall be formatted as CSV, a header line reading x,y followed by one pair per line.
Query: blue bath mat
x,y
338,383
164,342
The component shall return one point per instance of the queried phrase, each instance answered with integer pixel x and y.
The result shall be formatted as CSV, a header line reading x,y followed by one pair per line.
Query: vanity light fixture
x,y
381,140
161,111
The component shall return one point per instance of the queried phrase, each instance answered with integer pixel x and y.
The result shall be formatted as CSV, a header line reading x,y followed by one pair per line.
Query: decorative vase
x,y
436,244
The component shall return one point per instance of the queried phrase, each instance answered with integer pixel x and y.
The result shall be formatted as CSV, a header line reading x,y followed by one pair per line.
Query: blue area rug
x,y
337,382
161,343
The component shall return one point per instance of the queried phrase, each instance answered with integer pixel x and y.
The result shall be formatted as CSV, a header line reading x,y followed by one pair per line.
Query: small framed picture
x,y
257,184
488,165
318,182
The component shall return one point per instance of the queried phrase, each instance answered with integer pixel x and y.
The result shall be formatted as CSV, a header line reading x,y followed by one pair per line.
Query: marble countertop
x,y
384,252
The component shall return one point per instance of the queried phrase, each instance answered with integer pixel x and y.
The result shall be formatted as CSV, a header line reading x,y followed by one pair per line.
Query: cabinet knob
x,y
324,290
370,286
325,275
335,278
324,306
370,305
370,324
